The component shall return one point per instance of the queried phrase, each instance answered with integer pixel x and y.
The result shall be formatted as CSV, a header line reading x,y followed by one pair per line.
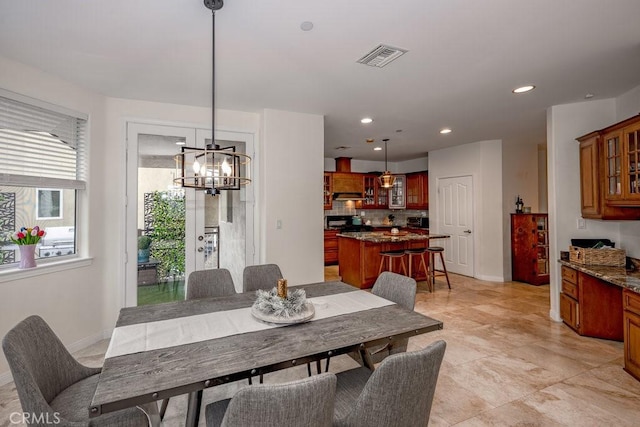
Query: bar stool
x,y
389,256
414,252
431,276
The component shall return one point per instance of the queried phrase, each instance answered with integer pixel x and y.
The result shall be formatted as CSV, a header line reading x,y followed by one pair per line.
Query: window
x,y
42,174
48,204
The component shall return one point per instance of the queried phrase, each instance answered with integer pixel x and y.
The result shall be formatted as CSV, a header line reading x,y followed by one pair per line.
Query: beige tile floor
x,y
506,364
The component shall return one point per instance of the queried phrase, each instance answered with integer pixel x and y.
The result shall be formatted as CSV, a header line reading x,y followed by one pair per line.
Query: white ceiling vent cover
x,y
381,55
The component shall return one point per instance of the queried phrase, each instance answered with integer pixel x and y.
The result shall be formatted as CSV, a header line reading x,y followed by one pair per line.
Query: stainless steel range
x,y
58,241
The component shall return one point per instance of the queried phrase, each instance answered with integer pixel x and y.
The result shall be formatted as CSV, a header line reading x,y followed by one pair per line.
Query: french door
x,y
189,229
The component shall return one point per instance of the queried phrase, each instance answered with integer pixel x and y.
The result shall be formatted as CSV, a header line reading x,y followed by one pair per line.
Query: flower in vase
x,y
28,236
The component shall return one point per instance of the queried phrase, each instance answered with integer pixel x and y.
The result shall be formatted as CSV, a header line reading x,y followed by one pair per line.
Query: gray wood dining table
x,y
142,378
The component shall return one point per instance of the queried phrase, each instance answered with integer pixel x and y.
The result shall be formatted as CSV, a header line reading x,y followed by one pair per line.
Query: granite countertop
x,y
382,237
619,276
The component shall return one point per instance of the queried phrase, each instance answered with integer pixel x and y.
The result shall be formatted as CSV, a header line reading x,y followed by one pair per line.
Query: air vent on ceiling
x,y
381,56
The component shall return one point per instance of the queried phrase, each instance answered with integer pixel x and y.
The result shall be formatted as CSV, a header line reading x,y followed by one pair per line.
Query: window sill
x,y
46,268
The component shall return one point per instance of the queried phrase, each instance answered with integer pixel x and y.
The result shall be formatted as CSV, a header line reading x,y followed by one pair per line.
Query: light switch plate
x,y
582,224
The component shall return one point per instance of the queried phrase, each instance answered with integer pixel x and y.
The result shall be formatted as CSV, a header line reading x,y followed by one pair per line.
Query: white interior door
x,y
455,217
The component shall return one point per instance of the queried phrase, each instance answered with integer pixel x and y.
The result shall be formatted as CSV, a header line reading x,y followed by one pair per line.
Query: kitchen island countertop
x,y
383,237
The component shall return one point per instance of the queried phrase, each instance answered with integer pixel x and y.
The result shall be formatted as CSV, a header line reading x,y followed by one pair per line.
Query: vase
x,y
27,256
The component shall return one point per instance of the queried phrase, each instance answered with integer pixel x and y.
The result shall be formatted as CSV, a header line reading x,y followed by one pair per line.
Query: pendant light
x,y
386,180
212,168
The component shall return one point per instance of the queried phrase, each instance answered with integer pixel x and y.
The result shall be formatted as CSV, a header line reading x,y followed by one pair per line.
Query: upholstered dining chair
x,y
398,393
399,289
308,402
263,276
52,384
216,282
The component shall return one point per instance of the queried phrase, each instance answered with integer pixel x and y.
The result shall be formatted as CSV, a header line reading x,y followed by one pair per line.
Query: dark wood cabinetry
x,y
330,247
590,306
530,248
631,319
375,197
609,171
418,190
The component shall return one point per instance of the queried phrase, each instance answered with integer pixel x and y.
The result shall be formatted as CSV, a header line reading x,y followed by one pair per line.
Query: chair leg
x,y
402,264
444,268
423,264
410,257
381,265
163,408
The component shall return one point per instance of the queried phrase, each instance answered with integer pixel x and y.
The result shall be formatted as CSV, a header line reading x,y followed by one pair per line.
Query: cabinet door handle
x,y
467,231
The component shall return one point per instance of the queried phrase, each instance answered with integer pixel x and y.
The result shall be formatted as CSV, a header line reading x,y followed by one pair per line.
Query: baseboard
x,y
490,278
6,378
555,316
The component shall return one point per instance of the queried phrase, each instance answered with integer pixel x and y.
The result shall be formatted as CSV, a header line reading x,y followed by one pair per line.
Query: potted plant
x,y
144,242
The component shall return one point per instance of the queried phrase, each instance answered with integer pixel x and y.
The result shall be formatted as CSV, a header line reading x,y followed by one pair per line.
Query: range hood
x,y
346,185
347,196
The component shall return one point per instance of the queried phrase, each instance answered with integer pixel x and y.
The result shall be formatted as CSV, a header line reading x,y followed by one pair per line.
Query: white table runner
x,y
186,330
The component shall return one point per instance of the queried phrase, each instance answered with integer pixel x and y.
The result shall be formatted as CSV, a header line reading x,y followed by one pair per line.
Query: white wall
x,y
69,300
483,161
292,183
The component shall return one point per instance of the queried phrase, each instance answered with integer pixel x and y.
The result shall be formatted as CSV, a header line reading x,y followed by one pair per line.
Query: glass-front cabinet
x,y
397,196
327,191
622,159
375,197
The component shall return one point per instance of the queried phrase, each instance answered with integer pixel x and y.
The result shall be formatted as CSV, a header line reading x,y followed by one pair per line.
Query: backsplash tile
x,y
376,216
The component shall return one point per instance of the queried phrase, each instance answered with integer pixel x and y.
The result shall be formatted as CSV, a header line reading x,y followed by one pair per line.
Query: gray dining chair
x,y
52,384
216,282
398,393
308,402
263,276
399,289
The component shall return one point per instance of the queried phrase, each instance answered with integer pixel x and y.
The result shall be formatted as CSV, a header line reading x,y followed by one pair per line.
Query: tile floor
x,y
506,364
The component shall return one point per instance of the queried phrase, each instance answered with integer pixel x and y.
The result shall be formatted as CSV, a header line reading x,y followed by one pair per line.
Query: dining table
x,y
165,350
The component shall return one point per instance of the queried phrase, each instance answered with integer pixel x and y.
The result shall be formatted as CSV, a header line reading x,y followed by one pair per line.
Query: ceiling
x,y
464,58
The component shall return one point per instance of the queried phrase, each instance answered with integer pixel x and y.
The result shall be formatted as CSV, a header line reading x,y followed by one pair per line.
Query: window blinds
x,y
41,147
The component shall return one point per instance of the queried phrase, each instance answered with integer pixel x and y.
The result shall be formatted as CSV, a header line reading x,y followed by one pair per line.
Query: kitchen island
x,y
359,254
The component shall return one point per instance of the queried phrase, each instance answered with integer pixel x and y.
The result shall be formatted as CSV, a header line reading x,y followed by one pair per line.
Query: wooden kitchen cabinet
x,y
631,304
330,247
375,197
397,193
327,191
418,190
609,175
590,306
530,248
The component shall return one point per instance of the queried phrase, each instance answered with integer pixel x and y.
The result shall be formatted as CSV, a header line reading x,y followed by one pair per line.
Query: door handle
x,y
200,249
467,231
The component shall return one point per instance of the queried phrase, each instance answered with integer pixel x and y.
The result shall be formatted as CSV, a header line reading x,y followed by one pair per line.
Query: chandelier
x,y
212,168
386,180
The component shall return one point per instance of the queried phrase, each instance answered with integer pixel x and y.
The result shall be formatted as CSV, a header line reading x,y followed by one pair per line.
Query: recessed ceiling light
x,y
589,95
366,120
445,130
370,140
377,149
523,89
181,143
306,26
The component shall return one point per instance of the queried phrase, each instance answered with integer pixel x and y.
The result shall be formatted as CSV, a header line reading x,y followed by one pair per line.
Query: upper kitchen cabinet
x,y
397,193
375,197
327,191
418,190
609,176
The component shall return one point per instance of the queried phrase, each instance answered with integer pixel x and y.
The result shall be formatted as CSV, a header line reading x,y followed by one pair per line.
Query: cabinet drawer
x,y
331,244
570,275
631,301
570,289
